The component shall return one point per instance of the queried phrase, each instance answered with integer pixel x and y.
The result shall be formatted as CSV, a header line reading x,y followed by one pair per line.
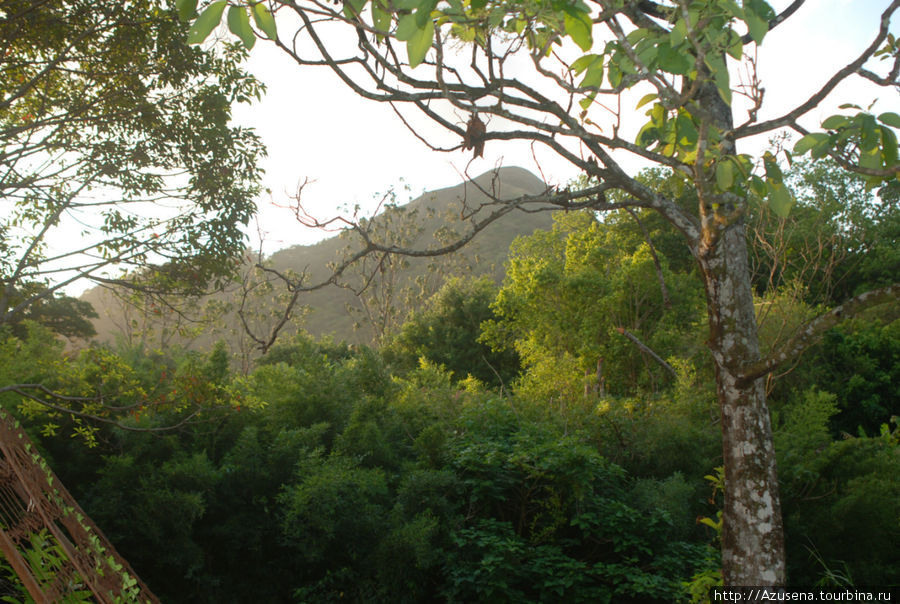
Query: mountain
x,y
396,284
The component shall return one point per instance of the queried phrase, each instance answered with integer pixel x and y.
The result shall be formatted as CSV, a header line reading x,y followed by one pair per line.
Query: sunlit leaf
x,y
582,63
724,175
780,199
646,99
579,27
239,25
265,21
206,22
418,45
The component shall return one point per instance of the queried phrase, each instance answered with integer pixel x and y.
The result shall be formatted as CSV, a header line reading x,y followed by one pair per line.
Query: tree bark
x,y
752,530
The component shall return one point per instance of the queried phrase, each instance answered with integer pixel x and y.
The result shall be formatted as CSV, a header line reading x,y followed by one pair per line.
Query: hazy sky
x,y
316,128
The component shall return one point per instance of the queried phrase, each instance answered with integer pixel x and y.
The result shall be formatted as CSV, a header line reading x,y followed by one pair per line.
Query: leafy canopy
x,y
116,148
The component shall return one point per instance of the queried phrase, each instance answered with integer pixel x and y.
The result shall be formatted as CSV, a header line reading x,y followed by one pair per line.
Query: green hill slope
x,y
396,284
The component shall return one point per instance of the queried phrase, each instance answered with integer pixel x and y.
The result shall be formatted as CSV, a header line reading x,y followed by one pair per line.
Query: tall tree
x,y
553,72
117,162
116,151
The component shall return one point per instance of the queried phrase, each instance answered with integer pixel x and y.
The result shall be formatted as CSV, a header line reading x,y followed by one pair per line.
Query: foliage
x,y
838,240
114,133
446,332
46,558
532,67
842,510
585,263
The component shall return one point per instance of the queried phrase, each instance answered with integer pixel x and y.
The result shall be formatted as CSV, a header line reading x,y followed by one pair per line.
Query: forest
x,y
481,453
689,379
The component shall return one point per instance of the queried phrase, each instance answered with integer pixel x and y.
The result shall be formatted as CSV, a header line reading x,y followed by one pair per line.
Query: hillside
x,y
338,311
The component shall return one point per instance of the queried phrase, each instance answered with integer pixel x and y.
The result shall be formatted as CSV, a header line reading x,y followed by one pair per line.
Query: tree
x,y
116,152
446,332
548,73
117,160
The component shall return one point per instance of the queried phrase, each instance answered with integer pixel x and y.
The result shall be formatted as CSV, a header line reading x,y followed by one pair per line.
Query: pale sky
x,y
317,128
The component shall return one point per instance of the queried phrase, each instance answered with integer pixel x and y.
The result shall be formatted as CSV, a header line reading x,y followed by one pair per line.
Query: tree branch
x,y
648,350
780,18
812,102
815,328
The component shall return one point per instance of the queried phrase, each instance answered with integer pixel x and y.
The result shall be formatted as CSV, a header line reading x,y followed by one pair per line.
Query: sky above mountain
x,y
353,150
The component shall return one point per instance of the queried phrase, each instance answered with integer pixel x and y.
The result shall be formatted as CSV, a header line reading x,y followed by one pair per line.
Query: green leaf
x,y
888,146
870,159
735,45
678,33
586,101
579,27
724,175
594,75
353,8
672,60
835,121
496,16
780,199
757,27
418,45
648,135
744,164
758,186
808,142
822,148
265,21
720,74
890,118
381,19
423,12
186,9
646,99
870,138
406,28
206,22
756,15
657,115
773,171
582,63
687,134
239,25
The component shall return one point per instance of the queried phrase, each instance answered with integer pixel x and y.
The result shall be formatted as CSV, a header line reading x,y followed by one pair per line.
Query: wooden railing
x,y
57,552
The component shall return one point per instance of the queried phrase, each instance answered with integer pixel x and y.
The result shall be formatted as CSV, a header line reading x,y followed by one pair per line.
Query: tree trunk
x,y
752,533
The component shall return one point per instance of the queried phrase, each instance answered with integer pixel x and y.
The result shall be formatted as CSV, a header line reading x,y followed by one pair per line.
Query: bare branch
x,y
647,349
812,102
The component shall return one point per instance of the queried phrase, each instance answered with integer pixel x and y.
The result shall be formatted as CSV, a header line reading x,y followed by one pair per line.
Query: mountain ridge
x,y
334,310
